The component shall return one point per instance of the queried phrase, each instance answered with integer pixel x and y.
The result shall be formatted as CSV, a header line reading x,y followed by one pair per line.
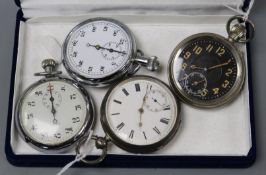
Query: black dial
x,y
208,69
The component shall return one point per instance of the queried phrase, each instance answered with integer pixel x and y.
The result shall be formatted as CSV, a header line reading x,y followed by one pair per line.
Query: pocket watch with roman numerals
x,y
140,114
99,51
54,113
206,69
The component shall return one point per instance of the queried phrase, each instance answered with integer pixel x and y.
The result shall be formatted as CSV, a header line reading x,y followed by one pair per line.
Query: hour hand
x,y
197,67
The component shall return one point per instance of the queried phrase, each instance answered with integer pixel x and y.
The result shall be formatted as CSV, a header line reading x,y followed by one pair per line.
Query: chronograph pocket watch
x,y
54,113
99,51
139,114
208,70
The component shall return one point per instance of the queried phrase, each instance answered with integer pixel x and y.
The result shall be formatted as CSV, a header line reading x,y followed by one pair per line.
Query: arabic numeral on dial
x,y
75,54
229,72
74,43
63,88
102,68
75,120
57,135
94,29
68,130
121,42
220,51
31,103
115,32
90,69
29,116
82,33
73,96
105,28
114,64
197,49
38,93
78,107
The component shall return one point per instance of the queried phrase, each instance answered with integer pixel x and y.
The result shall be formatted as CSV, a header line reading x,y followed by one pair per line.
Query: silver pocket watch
x,y
208,70
99,51
54,113
139,114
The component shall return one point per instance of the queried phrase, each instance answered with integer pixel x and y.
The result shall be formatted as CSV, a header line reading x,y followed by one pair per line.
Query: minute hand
x,y
98,47
219,65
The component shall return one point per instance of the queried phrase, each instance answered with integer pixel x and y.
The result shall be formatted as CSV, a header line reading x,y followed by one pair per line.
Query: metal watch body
x,y
99,51
140,114
53,114
206,70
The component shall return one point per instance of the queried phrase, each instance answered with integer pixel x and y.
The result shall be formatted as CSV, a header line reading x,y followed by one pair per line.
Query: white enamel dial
x,y
98,48
52,112
141,111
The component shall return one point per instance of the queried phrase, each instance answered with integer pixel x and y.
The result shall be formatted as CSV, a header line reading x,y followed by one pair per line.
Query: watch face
x,y
141,113
98,48
205,69
52,113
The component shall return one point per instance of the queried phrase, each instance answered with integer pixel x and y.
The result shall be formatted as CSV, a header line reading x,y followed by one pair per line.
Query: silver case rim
x,y
58,148
139,148
230,95
105,81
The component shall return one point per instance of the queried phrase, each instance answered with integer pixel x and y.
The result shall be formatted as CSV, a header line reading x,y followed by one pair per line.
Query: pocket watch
x,y
99,51
140,115
206,69
54,113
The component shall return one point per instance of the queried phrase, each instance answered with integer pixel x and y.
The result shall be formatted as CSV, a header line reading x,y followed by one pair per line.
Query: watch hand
x,y
220,65
197,67
141,110
195,83
52,102
156,101
98,47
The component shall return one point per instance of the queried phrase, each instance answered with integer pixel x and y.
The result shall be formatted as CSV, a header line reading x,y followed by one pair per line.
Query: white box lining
x,y
223,131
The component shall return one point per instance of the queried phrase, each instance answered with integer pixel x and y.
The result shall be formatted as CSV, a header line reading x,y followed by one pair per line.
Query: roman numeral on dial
x,y
120,126
131,135
165,120
156,130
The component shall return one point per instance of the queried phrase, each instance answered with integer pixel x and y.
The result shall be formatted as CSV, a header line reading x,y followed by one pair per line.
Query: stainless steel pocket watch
x,y
99,51
54,113
139,115
206,69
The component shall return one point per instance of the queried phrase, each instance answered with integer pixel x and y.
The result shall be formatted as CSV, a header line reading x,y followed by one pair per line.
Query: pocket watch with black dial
x,y
208,70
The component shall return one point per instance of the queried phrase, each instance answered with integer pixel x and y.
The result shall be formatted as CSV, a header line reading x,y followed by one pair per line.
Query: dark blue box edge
x,y
129,161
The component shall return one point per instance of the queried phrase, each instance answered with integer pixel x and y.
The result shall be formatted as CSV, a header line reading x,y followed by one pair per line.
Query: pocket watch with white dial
x,y
206,69
139,115
99,51
54,113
